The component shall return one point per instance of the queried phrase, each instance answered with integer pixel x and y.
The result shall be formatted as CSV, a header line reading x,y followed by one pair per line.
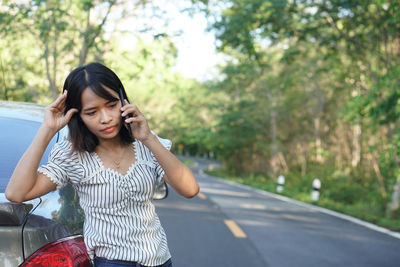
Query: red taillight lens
x,y
66,252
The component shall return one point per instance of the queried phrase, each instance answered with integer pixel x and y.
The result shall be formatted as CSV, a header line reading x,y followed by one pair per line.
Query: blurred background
x,y
305,89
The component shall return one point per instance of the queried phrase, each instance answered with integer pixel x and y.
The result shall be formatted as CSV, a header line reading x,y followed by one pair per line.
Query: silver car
x,y
46,231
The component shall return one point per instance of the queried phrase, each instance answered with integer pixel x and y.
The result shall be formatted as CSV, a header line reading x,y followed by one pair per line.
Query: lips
x,y
109,129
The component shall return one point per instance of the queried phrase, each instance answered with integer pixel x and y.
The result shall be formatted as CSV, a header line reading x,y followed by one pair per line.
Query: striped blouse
x,y
120,219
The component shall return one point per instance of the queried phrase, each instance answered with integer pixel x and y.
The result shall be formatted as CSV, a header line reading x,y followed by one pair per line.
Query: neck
x,y
109,145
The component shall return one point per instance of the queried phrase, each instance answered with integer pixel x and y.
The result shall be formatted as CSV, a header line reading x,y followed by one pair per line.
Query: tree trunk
x,y
344,149
5,95
318,108
394,204
390,136
50,77
92,32
318,142
55,91
275,159
356,153
379,176
302,157
84,48
283,162
51,58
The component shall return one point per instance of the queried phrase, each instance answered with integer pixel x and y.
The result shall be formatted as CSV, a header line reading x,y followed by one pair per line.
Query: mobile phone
x,y
121,97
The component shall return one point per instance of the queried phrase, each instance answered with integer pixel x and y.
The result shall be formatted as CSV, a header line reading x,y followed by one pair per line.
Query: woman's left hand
x,y
138,123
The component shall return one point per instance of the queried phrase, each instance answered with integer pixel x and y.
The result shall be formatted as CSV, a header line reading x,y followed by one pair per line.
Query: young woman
x,y
113,172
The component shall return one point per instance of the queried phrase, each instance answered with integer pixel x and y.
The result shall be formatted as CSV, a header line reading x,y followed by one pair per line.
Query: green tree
x,y
175,106
59,35
344,55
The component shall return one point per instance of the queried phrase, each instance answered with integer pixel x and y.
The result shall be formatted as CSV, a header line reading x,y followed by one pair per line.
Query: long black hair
x,y
92,76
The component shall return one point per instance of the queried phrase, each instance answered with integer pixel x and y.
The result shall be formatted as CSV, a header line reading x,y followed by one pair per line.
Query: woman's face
x,y
101,116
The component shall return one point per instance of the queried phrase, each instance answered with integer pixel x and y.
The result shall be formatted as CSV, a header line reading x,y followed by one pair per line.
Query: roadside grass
x,y
187,162
351,199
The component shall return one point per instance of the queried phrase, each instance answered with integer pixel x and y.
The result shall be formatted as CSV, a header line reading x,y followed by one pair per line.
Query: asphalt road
x,y
271,231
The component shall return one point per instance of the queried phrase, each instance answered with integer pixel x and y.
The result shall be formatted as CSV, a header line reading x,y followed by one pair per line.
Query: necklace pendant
x,y
117,164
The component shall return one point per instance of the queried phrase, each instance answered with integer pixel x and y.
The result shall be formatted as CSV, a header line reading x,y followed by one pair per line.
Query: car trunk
x,y
12,219
23,226
41,228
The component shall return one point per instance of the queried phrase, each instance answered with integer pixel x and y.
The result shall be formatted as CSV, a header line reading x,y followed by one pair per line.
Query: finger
x,y
126,113
70,113
128,105
59,100
134,119
131,110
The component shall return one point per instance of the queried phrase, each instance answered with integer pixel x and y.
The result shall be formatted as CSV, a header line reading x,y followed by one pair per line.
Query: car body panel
x,y
10,246
11,241
35,223
38,222
22,111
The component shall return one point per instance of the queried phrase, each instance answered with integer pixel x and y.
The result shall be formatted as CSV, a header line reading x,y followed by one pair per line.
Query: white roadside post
x,y
316,187
281,183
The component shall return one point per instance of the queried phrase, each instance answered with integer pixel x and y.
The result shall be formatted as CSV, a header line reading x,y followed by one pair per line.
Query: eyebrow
x,y
92,108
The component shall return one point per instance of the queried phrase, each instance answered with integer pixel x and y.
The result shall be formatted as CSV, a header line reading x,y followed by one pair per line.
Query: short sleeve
x,y
159,170
55,168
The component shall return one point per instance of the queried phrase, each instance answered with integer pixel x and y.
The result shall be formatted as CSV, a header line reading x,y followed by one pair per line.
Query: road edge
x,y
313,207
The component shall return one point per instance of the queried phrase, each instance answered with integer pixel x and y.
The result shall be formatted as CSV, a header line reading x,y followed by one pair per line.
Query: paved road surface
x,y
278,233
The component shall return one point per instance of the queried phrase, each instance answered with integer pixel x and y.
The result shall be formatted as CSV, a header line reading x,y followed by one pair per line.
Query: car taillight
x,y
66,252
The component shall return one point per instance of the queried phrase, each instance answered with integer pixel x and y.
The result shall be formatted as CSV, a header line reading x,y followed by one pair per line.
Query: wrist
x,y
151,139
47,132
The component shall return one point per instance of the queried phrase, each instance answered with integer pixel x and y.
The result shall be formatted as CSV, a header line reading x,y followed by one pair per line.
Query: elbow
x,y
188,186
193,187
192,192
12,197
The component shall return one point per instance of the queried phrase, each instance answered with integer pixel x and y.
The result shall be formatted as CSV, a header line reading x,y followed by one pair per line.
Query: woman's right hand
x,y
54,118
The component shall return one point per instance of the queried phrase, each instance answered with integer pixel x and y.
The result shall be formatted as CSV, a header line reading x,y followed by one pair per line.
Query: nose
x,y
104,117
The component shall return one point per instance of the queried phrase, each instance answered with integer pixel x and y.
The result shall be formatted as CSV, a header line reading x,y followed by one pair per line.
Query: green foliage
x,y
382,102
174,106
311,88
188,162
58,36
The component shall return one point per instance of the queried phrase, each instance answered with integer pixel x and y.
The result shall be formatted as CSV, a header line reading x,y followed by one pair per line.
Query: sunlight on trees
x,y
309,89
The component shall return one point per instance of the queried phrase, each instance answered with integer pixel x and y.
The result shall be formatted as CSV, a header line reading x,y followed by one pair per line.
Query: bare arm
x,y
177,174
26,183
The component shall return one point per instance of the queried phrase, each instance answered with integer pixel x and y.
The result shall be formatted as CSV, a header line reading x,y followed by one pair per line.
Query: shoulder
x,y
144,154
63,147
65,157
165,142
63,150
